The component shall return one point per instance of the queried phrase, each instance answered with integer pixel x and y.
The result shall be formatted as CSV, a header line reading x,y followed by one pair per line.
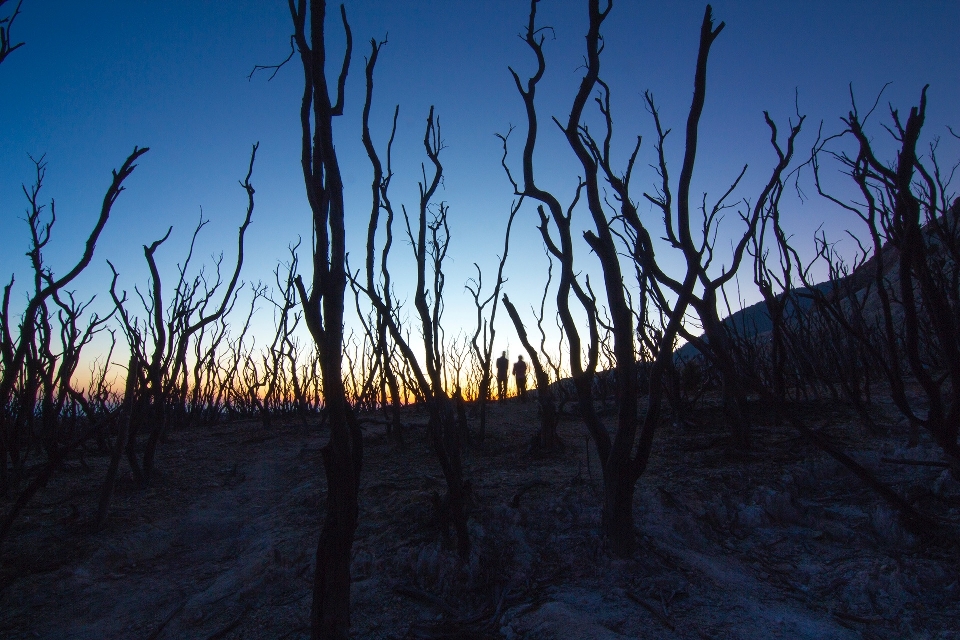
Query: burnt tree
x,y
913,221
546,439
19,349
429,241
483,350
323,307
624,454
6,23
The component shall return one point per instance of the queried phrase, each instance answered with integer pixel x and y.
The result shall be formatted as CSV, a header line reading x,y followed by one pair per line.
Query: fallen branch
x,y
917,463
163,625
422,596
515,501
914,521
56,459
230,626
855,618
662,619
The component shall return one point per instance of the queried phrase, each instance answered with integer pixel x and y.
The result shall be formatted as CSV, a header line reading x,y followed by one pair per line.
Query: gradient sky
x,y
95,79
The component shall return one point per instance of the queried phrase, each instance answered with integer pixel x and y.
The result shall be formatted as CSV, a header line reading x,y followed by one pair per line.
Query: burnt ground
x,y
782,543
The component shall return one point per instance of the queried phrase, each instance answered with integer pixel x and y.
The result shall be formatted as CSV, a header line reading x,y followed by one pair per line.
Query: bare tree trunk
x,y
323,309
6,23
428,387
719,348
546,439
484,353
918,221
625,454
123,434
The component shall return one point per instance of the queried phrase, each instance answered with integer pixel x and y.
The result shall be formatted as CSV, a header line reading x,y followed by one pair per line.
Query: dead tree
x,y
379,187
484,353
445,435
624,455
620,468
287,348
912,219
581,371
133,382
836,337
323,312
679,225
777,288
204,408
20,352
187,315
429,244
568,282
546,439
717,344
234,388
17,350
274,357
61,391
6,23
136,395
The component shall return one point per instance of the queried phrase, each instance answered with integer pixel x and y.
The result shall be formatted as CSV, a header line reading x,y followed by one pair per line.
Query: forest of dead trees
x,y
353,346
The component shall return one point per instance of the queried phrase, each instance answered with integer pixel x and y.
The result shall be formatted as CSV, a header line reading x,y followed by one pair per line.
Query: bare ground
x,y
785,543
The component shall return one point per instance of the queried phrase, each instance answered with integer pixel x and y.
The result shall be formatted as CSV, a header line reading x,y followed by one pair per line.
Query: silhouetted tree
x,y
625,453
546,439
485,326
6,23
776,287
429,244
165,366
914,221
20,350
323,306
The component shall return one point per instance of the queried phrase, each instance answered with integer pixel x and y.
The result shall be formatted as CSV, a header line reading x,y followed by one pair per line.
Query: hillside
x,y
754,320
783,544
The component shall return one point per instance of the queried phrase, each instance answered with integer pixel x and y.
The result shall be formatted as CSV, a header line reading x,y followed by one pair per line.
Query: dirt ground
x,y
783,543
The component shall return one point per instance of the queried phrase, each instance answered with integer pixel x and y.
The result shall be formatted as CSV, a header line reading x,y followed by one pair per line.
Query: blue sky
x,y
95,79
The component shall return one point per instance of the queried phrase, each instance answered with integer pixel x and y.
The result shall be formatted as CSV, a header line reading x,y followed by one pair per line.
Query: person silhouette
x,y
520,375
502,365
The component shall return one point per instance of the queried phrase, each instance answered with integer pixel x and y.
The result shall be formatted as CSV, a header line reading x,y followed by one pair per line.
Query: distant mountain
x,y
755,320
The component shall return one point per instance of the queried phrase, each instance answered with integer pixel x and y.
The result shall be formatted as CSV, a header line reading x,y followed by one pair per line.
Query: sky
x,y
95,79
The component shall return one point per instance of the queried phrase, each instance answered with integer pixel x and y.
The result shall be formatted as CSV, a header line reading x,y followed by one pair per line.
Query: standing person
x,y
502,365
520,375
